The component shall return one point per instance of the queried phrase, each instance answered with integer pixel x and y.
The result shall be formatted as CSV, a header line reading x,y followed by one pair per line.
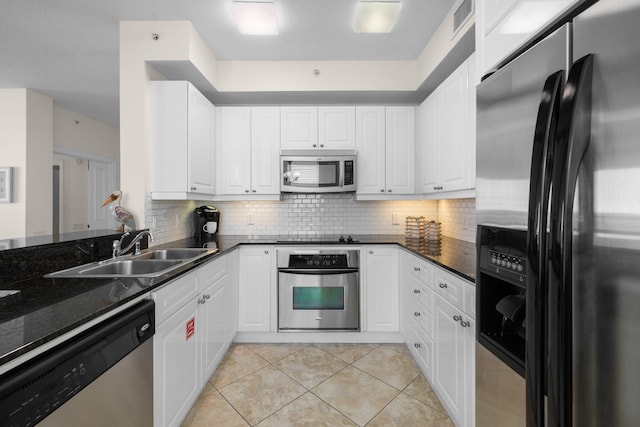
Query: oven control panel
x,y
327,261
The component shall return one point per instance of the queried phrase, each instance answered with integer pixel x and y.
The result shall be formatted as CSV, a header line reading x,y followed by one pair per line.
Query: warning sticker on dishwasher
x,y
191,327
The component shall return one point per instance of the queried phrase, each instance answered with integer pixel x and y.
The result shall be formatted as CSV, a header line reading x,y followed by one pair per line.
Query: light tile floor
x,y
317,385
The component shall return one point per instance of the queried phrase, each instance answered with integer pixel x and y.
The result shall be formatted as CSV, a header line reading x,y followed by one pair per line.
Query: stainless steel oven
x,y
318,289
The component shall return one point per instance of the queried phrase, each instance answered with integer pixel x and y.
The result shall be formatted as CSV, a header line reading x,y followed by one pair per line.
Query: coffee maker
x,y
206,221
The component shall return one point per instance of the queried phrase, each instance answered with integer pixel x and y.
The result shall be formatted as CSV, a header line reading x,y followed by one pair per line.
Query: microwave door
x,y
305,175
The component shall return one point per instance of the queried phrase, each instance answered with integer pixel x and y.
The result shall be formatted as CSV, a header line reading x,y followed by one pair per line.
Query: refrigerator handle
x,y
574,136
540,182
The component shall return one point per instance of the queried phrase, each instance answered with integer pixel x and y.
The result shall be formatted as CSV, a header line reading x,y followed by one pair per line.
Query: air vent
x,y
462,13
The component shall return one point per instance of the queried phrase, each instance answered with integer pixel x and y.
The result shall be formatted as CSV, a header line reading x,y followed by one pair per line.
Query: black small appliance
x,y
203,216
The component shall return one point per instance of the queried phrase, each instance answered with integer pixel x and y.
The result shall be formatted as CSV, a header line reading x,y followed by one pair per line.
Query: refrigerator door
x,y
605,263
507,107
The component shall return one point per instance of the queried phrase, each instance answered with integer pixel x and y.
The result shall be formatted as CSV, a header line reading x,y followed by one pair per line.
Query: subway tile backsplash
x,y
312,215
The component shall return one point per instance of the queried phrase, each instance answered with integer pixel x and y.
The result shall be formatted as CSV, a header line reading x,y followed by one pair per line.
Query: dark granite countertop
x,y
46,308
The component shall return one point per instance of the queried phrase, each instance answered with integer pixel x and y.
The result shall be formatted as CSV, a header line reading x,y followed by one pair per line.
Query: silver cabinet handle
x,y
417,345
253,191
416,291
207,296
416,314
457,318
465,324
246,191
314,145
416,268
321,145
442,285
201,300
266,252
382,190
194,188
389,191
370,251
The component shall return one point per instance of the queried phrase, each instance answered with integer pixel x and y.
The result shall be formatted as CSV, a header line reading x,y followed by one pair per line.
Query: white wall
x,y
26,145
78,132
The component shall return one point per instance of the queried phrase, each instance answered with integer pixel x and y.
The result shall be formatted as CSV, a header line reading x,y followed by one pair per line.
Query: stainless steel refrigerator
x,y
558,208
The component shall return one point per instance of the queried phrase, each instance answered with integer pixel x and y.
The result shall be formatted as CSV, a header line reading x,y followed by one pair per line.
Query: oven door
x,y
318,300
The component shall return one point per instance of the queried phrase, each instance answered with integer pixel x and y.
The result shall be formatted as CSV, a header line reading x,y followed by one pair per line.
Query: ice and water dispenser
x,y
501,284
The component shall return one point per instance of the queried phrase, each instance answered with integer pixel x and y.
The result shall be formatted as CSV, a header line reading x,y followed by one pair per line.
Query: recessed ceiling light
x,y
255,17
376,16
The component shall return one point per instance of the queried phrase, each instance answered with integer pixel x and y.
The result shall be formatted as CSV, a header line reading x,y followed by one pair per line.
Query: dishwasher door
x,y
101,377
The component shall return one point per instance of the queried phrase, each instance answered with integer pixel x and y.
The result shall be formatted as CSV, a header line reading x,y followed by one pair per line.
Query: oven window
x,y
312,173
314,298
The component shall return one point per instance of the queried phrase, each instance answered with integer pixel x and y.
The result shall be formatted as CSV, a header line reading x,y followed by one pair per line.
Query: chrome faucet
x,y
117,244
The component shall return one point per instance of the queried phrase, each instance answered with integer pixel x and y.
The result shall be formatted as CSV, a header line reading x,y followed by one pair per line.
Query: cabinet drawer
x,y
449,287
422,317
174,295
420,292
212,271
422,349
420,269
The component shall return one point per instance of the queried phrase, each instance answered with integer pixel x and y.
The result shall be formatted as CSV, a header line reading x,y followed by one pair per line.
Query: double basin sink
x,y
149,264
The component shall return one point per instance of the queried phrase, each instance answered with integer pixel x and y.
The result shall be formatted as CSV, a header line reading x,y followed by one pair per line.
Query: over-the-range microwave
x,y
325,171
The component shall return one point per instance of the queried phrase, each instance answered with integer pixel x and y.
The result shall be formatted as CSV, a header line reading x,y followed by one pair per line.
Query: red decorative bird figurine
x,y
121,215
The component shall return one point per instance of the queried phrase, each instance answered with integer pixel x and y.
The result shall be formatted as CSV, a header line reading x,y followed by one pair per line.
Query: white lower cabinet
x,y
190,339
438,310
379,285
254,288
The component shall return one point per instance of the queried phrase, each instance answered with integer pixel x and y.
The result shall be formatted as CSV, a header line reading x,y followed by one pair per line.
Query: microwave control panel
x,y
348,172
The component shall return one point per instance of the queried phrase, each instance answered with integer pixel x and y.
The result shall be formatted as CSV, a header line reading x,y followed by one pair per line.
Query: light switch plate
x,y
5,184
395,219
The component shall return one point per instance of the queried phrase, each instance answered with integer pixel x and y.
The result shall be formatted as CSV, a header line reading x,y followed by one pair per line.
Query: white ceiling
x,y
68,49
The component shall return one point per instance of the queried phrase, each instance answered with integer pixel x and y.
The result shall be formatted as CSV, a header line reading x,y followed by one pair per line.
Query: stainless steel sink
x,y
148,264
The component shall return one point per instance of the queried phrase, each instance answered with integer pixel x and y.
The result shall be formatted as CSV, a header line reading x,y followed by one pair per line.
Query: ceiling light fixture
x,y
255,17
376,16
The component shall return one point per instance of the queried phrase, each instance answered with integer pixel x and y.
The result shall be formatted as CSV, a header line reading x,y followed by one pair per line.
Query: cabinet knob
x,y
201,300
416,291
194,188
266,252
416,345
382,190
253,191
442,285
389,191
370,251
321,145
314,145
465,324
416,313
416,268
207,296
457,317
246,191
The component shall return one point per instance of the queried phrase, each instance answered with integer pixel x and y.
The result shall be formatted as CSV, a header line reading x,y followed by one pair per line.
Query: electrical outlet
x,y
249,218
395,219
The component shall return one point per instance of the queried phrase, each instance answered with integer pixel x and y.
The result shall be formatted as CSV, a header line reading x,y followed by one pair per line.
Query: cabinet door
x,y
400,150
201,143
453,108
370,146
255,289
337,127
380,287
299,127
213,313
265,150
234,150
176,366
232,295
428,164
449,368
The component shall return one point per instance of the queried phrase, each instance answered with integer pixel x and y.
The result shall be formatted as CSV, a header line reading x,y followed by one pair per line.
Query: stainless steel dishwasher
x,y
102,377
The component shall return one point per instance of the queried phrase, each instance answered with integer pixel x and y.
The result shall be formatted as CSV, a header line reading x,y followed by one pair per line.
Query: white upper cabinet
x,y
309,128
370,148
336,127
248,141
385,144
503,26
299,127
446,150
182,140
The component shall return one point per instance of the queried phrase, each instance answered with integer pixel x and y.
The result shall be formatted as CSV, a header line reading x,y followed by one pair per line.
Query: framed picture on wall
x,y
5,185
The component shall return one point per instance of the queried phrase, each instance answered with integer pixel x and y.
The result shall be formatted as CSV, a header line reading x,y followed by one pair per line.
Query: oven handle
x,y
317,271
